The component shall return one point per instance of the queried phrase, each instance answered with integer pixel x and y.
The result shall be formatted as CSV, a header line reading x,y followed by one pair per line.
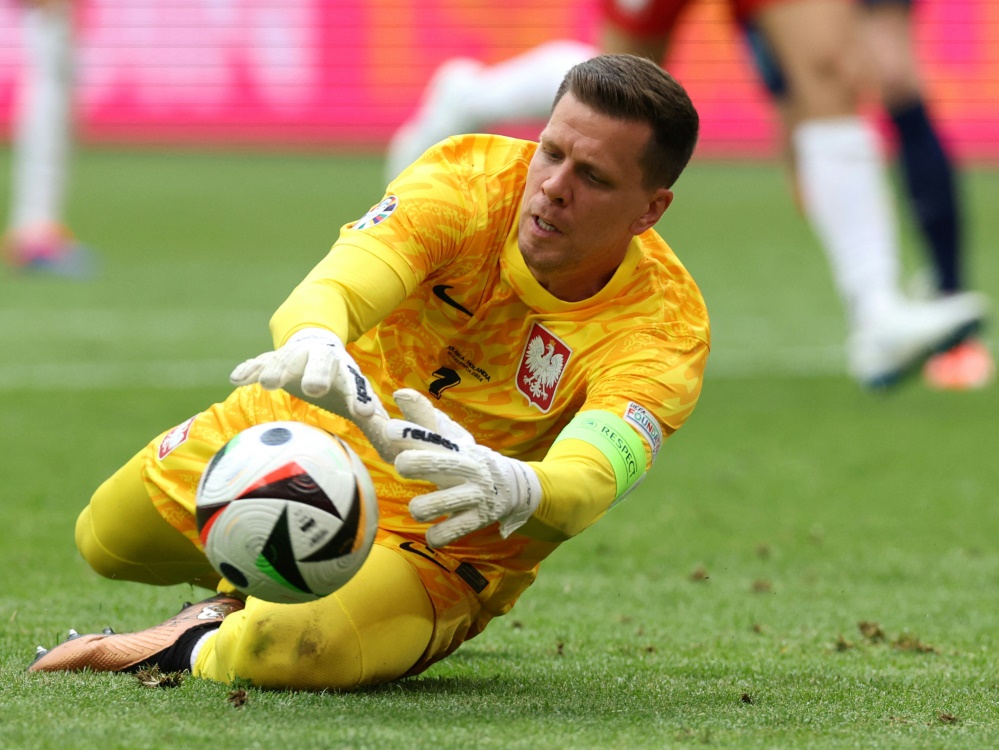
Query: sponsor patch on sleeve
x,y
647,425
378,213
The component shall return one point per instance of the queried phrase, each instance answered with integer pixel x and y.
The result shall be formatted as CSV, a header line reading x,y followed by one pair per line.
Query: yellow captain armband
x,y
616,440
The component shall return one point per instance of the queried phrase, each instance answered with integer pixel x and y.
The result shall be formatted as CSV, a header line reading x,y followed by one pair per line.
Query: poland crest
x,y
175,437
541,366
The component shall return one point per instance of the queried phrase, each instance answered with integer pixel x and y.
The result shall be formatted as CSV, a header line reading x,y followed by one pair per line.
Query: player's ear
x,y
658,204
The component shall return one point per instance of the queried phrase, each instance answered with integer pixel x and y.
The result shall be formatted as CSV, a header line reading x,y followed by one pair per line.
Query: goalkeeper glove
x,y
314,366
478,486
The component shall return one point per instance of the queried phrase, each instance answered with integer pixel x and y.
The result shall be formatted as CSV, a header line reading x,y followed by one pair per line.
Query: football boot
x,y
124,652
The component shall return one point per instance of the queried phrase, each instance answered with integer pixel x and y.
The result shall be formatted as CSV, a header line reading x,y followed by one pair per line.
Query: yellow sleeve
x,y
578,486
378,260
351,290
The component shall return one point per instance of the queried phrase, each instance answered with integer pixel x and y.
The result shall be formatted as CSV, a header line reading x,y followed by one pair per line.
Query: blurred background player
x,y
839,171
36,238
888,51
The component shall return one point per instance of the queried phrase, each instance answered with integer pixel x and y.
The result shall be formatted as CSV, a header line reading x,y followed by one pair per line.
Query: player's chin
x,y
535,244
545,263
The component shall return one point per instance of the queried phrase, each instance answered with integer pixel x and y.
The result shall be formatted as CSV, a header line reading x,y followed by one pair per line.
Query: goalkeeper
x,y
510,296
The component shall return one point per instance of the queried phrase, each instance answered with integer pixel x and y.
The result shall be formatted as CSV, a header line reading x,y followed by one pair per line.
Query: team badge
x,y
176,437
378,214
647,425
541,366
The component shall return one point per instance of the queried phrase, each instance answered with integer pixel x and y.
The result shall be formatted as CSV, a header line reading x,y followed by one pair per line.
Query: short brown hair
x,y
635,88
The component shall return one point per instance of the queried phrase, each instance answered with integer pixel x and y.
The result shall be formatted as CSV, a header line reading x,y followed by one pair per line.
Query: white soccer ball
x,y
286,512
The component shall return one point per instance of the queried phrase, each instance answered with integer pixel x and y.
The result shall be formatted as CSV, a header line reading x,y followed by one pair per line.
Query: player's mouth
x,y
546,227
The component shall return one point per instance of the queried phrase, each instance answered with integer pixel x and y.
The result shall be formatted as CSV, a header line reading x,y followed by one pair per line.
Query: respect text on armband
x,y
624,449
426,436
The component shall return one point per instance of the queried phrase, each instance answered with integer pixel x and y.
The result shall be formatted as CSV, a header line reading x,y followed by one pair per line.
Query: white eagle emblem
x,y
542,366
545,366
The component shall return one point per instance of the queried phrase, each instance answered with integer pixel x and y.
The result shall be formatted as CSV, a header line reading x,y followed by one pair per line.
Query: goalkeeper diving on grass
x,y
505,341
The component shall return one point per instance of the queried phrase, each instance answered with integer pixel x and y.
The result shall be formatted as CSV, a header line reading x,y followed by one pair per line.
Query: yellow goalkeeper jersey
x,y
431,292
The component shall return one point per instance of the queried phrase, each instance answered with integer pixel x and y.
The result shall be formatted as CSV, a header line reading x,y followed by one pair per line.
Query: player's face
x,y
584,199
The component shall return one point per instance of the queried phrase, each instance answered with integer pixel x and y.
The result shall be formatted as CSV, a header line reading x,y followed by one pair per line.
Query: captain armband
x,y
615,439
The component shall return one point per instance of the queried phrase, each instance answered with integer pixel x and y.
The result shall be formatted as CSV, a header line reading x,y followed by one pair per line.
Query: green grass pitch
x,y
808,566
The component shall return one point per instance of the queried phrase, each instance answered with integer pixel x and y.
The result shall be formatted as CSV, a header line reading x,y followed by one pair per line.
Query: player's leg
x,y
122,536
371,631
395,617
772,76
140,526
465,96
929,178
838,162
927,169
41,130
844,192
35,235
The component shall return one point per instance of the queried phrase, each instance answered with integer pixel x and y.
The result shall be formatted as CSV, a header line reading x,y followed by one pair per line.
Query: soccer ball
x,y
286,512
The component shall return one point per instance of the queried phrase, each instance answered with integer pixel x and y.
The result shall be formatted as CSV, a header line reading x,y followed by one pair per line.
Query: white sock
x,y
210,633
42,126
841,176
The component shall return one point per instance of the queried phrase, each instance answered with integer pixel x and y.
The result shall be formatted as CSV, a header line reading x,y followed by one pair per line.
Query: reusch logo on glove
x,y
360,384
541,366
430,437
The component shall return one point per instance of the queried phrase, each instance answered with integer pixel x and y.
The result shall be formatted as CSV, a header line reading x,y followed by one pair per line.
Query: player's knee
x,y
826,81
91,543
87,544
97,527
832,69
121,536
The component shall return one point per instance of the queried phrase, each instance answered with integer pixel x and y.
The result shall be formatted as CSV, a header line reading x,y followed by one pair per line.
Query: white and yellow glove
x,y
314,365
478,486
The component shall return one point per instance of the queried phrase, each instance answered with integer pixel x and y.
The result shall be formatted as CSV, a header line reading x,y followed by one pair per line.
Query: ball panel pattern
x,y
286,512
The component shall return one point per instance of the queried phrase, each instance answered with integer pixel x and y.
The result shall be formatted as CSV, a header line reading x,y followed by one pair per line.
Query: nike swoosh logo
x,y
441,291
408,546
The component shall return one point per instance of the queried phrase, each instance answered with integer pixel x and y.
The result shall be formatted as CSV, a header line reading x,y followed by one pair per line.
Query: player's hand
x,y
313,359
314,366
478,486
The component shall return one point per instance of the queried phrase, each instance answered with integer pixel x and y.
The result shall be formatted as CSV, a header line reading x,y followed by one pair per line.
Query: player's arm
x,y
596,461
350,291
380,259
375,264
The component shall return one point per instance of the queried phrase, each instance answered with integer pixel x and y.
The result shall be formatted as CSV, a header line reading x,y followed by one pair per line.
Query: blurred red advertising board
x,y
348,72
